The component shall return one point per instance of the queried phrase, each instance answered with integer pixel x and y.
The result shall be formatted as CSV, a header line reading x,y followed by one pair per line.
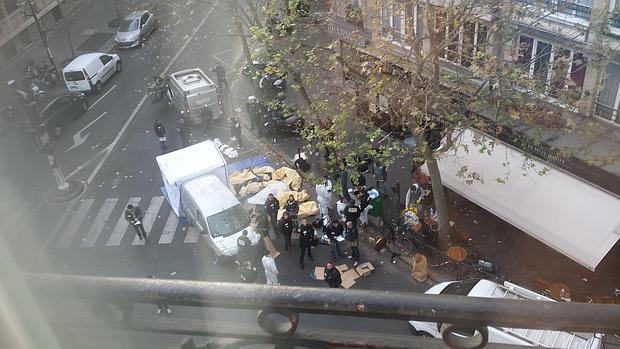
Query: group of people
x,y
260,119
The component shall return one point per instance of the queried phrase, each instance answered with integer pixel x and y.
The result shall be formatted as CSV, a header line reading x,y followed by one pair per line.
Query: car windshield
x,y
128,25
74,76
228,222
461,288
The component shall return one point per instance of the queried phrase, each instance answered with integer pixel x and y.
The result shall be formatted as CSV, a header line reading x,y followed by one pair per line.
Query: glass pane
x,y
525,51
578,69
541,61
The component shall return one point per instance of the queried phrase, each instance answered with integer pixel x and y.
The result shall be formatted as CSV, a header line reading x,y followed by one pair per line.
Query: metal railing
x,y
117,295
564,7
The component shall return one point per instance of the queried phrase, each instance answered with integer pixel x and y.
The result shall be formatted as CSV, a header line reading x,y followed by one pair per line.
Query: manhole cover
x,y
95,41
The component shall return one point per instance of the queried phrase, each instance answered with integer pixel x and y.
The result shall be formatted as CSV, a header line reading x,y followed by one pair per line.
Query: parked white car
x,y
515,336
90,71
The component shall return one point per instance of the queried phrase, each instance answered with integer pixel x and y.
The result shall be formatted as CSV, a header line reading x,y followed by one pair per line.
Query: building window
x,y
575,8
609,97
10,6
399,19
464,43
555,67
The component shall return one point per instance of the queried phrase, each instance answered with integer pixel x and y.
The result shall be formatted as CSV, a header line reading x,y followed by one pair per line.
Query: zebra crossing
x,y
92,223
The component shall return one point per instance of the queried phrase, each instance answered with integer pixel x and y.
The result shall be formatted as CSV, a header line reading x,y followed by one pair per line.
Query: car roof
x,y
210,194
134,15
79,62
44,104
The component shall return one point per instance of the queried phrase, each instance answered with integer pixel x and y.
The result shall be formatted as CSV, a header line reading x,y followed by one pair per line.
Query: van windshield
x,y
128,25
74,76
228,221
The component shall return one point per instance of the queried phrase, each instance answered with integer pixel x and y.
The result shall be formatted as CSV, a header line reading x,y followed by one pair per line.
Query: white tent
x,y
184,164
566,213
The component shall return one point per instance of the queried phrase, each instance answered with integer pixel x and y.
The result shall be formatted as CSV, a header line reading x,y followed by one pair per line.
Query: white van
x,y
90,71
193,95
217,214
503,335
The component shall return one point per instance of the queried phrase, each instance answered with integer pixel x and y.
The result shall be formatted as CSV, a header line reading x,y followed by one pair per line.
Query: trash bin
x,y
377,207
419,269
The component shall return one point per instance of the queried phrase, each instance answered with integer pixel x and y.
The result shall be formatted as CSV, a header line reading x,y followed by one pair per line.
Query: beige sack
x,y
289,176
419,269
300,196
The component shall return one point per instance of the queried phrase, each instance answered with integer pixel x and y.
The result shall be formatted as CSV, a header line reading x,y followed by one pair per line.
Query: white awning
x,y
571,216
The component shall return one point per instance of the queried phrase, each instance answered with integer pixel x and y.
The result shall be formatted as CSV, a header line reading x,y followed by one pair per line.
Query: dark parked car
x,y
56,112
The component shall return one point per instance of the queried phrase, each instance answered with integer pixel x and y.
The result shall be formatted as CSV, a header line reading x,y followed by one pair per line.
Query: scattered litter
x,y
173,273
475,222
585,279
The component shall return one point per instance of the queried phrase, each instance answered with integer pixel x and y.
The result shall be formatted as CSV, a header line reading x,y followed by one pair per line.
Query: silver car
x,y
134,28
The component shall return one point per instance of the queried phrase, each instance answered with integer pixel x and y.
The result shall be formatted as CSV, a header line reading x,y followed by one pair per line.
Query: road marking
x,y
192,236
169,228
92,159
74,224
99,223
137,108
77,137
121,226
100,98
149,218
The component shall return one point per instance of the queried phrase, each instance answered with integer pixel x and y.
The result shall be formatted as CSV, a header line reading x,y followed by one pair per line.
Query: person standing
x,y
324,197
332,275
272,205
220,74
253,108
133,215
244,244
414,197
352,213
160,131
363,198
184,133
292,207
285,227
271,271
341,207
306,235
334,232
235,131
161,306
248,272
352,237
379,172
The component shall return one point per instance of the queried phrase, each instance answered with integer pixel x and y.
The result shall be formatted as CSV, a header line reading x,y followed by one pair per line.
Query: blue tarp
x,y
257,161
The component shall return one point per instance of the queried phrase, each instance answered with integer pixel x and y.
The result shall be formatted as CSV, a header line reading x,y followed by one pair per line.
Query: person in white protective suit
x,y
271,271
324,198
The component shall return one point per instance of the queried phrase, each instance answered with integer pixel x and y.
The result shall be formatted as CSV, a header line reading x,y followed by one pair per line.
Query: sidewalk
x,y
521,258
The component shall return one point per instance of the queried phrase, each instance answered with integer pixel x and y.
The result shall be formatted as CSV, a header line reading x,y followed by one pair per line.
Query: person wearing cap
x,y
133,215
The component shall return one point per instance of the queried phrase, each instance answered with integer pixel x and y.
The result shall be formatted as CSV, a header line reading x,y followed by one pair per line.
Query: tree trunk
x,y
447,236
246,48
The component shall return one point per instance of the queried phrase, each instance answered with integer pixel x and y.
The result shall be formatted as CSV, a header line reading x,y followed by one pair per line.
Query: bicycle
x,y
398,236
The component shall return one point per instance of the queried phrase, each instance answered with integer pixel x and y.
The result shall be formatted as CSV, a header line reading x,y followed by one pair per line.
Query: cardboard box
x,y
365,269
347,283
319,273
342,268
350,274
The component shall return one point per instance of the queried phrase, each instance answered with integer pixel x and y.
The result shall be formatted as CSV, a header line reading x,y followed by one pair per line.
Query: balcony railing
x,y
564,7
117,295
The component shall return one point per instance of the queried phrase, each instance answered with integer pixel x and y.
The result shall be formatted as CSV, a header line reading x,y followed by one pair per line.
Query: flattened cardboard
x,y
342,268
363,270
319,273
347,283
370,266
350,274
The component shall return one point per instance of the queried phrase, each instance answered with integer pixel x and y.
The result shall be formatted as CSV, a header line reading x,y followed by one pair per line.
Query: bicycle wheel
x,y
403,246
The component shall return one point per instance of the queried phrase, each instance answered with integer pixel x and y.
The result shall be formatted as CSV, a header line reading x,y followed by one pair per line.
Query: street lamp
x,y
30,10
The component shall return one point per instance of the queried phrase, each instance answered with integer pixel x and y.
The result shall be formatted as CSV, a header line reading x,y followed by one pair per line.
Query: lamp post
x,y
33,11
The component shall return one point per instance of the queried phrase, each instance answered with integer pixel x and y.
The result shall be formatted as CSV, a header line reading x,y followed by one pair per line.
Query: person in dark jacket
x,y
285,227
352,213
244,244
292,207
220,74
334,231
248,272
133,215
184,132
306,235
272,205
235,131
332,275
352,237
160,131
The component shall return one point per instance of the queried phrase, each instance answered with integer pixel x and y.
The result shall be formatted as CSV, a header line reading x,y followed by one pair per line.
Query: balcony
x,y
570,8
112,300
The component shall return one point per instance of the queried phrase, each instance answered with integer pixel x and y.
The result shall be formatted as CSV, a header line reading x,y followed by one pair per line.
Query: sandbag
x,y
300,196
419,269
241,177
289,176
251,188
271,187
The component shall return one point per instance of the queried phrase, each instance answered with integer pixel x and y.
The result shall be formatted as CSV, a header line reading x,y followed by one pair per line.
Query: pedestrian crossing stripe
x,y
107,225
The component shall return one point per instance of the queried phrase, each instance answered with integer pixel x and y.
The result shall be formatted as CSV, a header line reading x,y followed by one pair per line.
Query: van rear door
x,y
76,80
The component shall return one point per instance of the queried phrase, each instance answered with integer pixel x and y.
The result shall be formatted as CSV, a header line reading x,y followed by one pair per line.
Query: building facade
x,y
566,45
17,26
